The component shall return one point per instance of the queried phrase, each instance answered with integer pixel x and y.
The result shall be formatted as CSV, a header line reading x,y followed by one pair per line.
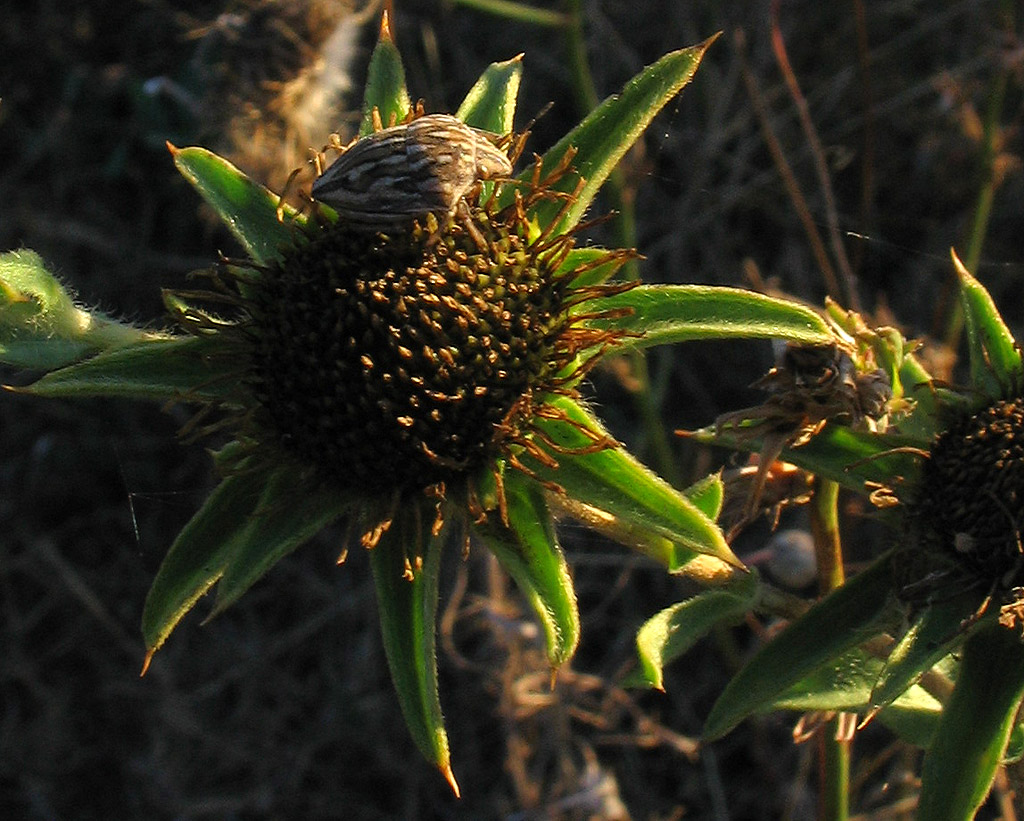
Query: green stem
x,y
516,11
829,553
825,529
991,178
837,775
587,100
621,203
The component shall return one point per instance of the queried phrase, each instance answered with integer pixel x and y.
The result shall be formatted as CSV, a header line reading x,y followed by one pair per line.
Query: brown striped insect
x,y
424,166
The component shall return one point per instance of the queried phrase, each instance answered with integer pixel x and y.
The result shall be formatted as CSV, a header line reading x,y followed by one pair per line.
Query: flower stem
x,y
835,742
587,100
836,798
825,529
516,11
621,202
992,177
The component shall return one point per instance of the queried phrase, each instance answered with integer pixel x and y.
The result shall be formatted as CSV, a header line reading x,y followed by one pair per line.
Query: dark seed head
x,y
407,359
970,508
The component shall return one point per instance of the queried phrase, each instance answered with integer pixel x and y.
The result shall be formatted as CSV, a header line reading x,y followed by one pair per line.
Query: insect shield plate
x,y
424,166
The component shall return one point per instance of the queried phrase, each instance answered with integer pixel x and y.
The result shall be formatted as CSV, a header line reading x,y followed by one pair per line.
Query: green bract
x,y
928,638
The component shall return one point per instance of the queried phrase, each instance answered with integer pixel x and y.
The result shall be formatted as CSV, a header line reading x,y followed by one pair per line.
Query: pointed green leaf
x,y
291,510
528,551
41,327
708,494
833,626
613,481
852,458
975,726
996,366
247,208
199,554
178,368
845,684
407,603
609,131
662,314
385,83
924,418
592,266
842,683
667,635
915,723
491,102
914,716
849,457
935,633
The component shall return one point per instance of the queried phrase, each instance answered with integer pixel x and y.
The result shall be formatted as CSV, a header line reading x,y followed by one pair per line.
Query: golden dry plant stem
x,y
867,165
847,284
789,180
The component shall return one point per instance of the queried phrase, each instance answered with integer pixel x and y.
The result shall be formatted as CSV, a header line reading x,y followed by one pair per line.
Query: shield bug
x,y
424,166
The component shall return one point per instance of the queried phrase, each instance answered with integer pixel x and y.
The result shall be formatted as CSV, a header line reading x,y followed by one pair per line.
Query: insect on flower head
x,y
427,165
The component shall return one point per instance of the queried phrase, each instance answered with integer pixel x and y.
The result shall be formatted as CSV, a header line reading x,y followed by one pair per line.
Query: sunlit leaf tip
x,y
995,357
384,33
449,775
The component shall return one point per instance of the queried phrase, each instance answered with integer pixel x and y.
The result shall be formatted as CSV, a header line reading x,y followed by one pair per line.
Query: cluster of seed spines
x,y
971,499
414,372
483,268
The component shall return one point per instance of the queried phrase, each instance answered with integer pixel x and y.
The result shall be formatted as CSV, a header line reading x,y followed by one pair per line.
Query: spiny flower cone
x,y
427,348
412,358
968,509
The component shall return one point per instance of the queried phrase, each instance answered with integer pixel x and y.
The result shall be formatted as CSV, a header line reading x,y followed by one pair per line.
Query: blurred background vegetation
x,y
281,707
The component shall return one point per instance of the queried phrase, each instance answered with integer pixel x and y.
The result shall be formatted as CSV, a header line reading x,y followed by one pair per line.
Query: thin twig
x,y
849,285
786,172
867,166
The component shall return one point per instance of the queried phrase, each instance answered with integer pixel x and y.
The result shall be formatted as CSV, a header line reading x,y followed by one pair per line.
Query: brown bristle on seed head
x,y
391,361
414,358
